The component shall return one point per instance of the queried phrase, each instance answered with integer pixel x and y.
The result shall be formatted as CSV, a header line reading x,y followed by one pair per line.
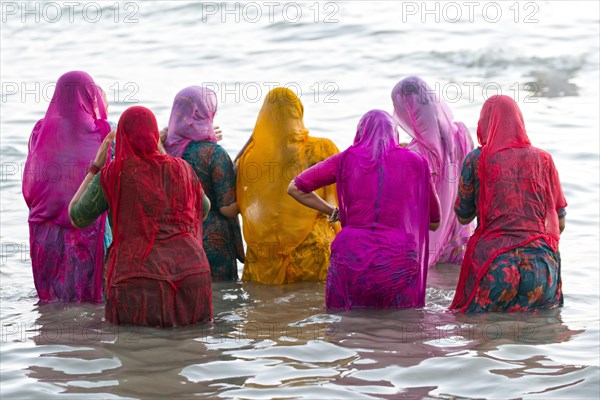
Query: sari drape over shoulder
x,y
444,143
379,259
519,199
157,271
66,261
191,136
286,242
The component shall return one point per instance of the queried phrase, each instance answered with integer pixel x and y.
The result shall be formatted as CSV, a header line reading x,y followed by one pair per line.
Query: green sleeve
x,y
90,206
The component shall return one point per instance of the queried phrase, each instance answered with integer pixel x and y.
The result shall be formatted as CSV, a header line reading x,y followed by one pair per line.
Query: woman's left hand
x,y
335,215
102,154
218,133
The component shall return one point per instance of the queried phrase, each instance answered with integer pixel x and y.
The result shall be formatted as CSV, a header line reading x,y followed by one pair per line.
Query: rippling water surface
x,y
278,342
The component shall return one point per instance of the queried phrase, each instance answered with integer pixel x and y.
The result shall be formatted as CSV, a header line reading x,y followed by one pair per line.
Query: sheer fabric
x,y
156,205
66,261
444,143
286,242
379,259
520,195
192,115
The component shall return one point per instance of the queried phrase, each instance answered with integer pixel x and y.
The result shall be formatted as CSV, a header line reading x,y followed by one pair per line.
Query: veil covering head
x,y
445,144
376,135
192,116
520,194
273,222
62,145
155,199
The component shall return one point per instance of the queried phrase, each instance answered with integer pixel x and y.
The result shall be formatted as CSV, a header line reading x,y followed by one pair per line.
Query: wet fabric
x,y
156,204
515,278
520,197
380,258
429,121
286,242
191,119
522,279
66,261
222,236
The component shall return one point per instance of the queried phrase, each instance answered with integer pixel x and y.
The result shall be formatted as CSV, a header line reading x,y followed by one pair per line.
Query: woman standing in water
x,y
67,262
191,136
157,271
444,143
285,242
387,205
512,261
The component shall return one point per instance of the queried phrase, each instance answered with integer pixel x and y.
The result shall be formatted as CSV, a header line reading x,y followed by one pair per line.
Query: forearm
x,y
310,200
86,182
230,211
561,224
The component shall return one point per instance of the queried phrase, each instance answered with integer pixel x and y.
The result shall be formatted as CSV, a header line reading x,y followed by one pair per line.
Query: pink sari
x,y
66,261
379,258
444,143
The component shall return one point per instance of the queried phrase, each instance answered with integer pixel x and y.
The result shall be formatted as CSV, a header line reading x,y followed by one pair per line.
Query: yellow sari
x,y
286,242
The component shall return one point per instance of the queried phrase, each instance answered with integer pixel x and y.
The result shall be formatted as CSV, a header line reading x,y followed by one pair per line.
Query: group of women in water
x,y
148,223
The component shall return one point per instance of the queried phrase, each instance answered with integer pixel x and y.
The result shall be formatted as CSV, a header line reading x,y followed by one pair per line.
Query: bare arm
x,y
465,221
243,149
230,211
310,200
561,224
205,207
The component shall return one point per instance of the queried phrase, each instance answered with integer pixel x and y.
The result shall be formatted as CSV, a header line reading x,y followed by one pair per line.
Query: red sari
x,y
157,271
520,195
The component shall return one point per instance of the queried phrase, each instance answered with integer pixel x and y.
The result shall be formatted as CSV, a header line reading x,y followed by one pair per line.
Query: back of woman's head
x,y
76,94
137,132
281,117
376,134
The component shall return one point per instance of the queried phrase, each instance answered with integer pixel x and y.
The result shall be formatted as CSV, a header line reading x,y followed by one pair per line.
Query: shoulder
x,y
324,146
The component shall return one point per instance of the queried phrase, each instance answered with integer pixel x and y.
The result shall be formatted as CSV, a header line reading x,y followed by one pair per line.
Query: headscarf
x,y
192,115
280,149
445,144
429,121
152,197
520,194
376,135
61,146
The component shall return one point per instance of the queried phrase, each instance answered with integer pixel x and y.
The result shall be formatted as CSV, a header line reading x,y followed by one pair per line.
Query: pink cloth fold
x,y
444,143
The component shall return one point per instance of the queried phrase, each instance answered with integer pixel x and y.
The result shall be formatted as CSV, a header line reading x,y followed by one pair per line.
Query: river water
x,y
342,58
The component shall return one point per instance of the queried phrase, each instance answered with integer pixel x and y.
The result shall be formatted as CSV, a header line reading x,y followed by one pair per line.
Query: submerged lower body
x,y
222,243
277,264
523,279
372,269
67,262
160,303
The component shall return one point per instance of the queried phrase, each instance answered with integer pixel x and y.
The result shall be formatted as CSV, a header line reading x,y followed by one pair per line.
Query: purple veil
x,y
444,143
66,261
192,115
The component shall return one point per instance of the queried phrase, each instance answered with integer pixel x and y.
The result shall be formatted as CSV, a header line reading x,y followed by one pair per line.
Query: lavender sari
x,y
444,143
67,261
379,258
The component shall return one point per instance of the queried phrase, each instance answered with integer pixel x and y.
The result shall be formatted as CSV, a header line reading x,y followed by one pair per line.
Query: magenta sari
x,y
379,258
66,261
444,143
